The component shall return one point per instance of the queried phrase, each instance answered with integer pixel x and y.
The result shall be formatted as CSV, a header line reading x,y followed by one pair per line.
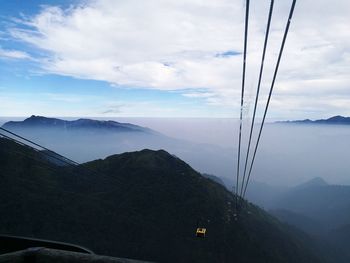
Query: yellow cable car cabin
x,y
201,232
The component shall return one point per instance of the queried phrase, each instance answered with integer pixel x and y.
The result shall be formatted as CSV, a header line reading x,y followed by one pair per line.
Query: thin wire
x,y
117,180
258,87
67,160
46,163
31,148
270,93
51,167
242,93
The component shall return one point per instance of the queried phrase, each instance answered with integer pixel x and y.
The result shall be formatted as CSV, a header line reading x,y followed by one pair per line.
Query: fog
x,y
289,154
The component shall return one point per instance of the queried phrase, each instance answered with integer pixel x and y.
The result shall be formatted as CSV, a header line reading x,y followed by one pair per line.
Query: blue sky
x,y
25,89
168,58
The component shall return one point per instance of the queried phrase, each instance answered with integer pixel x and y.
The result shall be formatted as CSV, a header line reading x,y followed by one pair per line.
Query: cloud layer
x,y
13,54
197,45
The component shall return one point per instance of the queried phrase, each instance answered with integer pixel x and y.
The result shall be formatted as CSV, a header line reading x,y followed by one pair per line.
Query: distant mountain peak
x,y
318,181
314,182
80,124
36,117
338,119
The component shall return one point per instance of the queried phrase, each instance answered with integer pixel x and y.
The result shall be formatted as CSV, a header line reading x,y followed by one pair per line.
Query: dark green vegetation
x,y
142,205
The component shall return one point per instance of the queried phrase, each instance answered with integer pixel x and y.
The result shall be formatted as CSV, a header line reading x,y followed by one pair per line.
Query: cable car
x,y
200,232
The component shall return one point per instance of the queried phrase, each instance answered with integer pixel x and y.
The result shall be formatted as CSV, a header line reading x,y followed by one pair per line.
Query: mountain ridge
x,y
334,120
144,205
86,144
82,123
314,182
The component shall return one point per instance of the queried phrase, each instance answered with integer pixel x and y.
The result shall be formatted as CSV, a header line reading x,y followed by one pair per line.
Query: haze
x,y
289,154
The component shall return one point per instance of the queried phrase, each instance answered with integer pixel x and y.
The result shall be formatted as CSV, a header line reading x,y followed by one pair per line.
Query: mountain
x,y
340,237
332,120
317,208
314,182
80,124
86,140
56,159
143,205
306,224
214,178
327,204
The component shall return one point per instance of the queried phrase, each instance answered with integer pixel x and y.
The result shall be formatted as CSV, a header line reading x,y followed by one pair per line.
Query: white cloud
x,y
174,44
13,54
198,95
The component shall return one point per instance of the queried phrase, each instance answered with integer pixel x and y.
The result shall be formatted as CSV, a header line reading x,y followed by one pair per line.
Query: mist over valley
x,y
289,153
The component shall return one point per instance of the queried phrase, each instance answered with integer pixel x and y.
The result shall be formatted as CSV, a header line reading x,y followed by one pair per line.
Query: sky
x,y
170,58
